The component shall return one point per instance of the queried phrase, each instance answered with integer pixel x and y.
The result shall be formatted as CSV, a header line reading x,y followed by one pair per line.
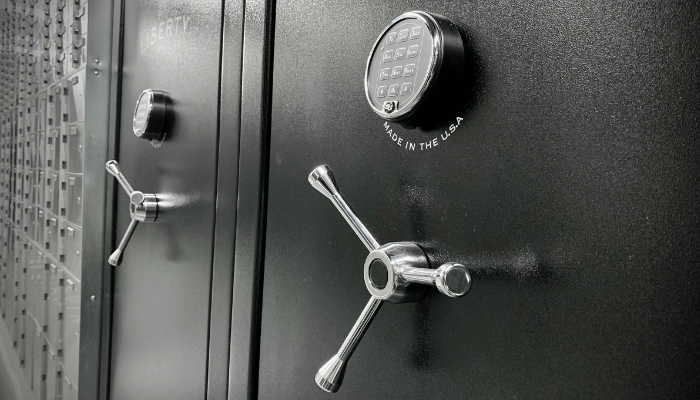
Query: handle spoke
x,y
321,178
330,376
116,258
113,168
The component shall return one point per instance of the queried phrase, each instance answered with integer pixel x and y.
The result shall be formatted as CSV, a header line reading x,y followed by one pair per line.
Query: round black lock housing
x,y
412,65
150,115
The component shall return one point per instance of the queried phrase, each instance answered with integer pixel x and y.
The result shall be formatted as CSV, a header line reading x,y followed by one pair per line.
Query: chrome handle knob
x,y
390,272
452,279
143,207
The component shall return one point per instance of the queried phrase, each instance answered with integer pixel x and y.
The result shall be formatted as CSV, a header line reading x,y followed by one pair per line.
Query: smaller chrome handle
x,y
143,207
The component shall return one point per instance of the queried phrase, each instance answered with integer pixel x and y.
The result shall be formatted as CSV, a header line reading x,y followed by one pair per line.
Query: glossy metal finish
x,y
330,376
395,257
451,279
405,263
321,178
146,209
143,208
113,168
116,258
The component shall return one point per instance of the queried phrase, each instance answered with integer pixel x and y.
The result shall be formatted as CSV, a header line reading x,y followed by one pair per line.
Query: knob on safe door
x,y
391,273
143,207
151,116
414,68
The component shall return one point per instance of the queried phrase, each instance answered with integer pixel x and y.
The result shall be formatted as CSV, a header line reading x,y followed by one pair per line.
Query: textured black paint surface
x,y
162,289
569,190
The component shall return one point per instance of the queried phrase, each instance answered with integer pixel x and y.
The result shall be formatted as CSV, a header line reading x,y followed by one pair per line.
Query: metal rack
x,y
42,109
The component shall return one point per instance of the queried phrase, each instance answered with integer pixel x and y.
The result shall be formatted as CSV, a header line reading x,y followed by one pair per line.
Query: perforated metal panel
x,y
42,112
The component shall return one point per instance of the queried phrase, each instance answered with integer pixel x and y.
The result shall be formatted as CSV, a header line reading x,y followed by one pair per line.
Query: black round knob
x,y
378,274
150,115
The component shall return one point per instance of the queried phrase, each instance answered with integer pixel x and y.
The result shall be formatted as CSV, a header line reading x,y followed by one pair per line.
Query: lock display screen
x,y
150,115
399,67
142,112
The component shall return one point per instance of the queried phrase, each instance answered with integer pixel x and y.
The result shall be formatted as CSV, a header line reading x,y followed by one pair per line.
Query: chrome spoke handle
x,y
116,258
143,207
398,272
321,178
135,196
330,376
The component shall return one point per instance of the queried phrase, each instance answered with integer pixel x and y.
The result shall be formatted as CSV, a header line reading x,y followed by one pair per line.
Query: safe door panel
x,y
565,189
162,287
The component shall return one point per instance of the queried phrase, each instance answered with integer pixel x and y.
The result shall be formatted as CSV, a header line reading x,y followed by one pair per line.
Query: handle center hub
x,y
378,274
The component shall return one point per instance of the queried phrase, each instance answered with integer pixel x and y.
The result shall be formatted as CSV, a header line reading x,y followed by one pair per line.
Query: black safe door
x,y
569,189
162,288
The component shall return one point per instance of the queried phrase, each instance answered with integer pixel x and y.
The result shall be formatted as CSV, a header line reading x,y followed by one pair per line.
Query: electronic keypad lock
x,y
413,67
398,272
151,116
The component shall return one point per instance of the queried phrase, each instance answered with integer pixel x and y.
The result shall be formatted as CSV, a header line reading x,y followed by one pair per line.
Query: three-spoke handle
x,y
321,178
143,207
330,376
398,265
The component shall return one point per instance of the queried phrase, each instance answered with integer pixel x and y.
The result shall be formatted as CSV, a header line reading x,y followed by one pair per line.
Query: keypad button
x,y
393,90
409,70
384,74
389,55
381,91
396,72
400,53
415,32
391,38
403,35
412,51
406,88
